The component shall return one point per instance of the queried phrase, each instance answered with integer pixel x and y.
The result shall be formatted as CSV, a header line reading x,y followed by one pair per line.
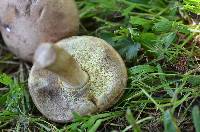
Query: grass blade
x,y
170,123
132,121
196,118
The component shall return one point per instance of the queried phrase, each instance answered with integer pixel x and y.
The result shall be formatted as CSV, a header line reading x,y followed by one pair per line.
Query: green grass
x,y
156,43
192,5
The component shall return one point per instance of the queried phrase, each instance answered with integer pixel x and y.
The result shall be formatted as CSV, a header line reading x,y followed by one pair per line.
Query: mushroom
x,y
83,74
27,23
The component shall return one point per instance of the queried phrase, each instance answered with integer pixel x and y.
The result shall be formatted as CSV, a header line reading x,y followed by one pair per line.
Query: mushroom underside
x,y
107,80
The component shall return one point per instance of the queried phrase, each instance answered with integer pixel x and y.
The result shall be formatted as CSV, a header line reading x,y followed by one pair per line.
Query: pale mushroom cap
x,y
107,81
27,23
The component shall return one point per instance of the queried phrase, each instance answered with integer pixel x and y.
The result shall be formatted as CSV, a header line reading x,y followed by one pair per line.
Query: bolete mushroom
x,y
79,74
27,23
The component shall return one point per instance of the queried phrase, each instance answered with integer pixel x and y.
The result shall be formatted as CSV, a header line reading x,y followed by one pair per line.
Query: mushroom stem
x,y
57,60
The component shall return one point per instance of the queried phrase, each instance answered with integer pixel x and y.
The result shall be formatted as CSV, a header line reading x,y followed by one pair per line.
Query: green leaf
x,y
142,69
181,28
138,21
170,122
128,49
107,36
168,39
196,118
194,80
163,25
5,79
148,40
